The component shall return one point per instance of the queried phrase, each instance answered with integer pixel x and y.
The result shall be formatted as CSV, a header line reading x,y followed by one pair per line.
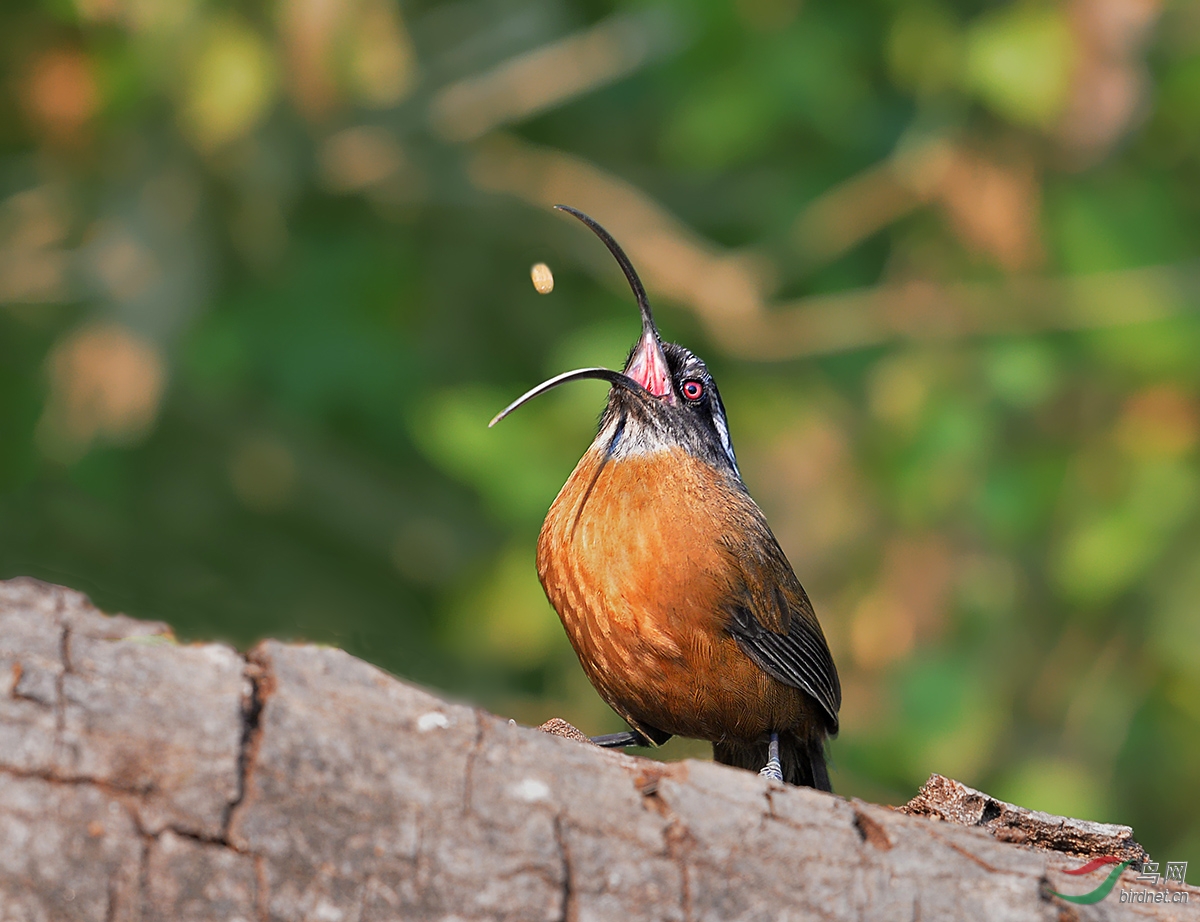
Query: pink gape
x,y
648,367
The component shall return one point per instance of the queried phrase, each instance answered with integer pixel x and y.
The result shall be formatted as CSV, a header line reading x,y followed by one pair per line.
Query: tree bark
x,y
142,779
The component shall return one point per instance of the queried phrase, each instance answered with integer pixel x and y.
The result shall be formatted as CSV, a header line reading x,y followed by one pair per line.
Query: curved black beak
x,y
647,364
614,378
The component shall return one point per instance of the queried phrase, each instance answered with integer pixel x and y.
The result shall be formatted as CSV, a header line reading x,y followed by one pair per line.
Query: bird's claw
x,y
620,740
773,769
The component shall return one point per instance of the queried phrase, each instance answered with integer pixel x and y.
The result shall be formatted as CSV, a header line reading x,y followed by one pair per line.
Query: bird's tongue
x,y
648,367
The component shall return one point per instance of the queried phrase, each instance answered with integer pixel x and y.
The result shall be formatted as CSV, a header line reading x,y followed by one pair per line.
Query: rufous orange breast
x,y
632,558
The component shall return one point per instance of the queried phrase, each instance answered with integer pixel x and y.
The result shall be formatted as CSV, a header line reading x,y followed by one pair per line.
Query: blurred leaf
x,y
1150,350
381,61
718,124
229,85
1106,555
1132,222
1019,61
925,48
1178,101
934,693
1175,630
1022,373
816,69
1014,500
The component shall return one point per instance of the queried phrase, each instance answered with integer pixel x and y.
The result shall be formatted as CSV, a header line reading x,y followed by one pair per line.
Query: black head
x,y
664,398
694,420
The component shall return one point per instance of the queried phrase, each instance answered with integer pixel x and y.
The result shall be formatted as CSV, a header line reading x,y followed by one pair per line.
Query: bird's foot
x,y
773,769
620,740
556,726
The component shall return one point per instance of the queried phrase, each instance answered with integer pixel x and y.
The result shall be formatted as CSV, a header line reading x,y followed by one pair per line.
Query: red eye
x,y
693,390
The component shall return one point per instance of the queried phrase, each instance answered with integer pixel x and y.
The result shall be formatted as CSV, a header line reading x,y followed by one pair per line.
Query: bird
x,y
682,607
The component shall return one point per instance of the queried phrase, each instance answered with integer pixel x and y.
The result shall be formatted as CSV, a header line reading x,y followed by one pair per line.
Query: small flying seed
x,y
543,279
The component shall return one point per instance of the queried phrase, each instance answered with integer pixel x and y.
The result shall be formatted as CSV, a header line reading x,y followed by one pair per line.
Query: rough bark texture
x,y
141,779
943,798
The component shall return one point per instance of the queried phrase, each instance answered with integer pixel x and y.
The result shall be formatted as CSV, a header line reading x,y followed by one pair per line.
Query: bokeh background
x,y
264,279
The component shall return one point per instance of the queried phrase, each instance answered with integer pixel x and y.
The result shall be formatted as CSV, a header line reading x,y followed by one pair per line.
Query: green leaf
x,y
1019,62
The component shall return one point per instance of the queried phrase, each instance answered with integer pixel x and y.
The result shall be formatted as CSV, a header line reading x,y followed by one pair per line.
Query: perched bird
x,y
682,607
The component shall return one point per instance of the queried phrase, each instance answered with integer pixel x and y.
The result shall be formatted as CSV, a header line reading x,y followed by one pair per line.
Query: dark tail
x,y
803,760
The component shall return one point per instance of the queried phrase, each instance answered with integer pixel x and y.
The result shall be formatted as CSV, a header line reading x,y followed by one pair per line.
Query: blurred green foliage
x,y
263,281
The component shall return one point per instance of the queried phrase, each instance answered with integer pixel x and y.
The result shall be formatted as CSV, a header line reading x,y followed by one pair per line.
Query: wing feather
x,y
772,619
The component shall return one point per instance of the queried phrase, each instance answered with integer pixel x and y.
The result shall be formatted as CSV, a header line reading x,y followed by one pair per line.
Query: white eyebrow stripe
x,y
726,442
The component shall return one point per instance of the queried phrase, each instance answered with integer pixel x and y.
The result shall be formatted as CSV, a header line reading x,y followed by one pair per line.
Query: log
x,y
142,779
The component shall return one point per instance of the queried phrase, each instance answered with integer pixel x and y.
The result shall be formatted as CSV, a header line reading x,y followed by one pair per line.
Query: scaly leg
x,y
773,769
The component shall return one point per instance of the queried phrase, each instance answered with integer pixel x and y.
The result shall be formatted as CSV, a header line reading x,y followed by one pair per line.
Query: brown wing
x,y
771,617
